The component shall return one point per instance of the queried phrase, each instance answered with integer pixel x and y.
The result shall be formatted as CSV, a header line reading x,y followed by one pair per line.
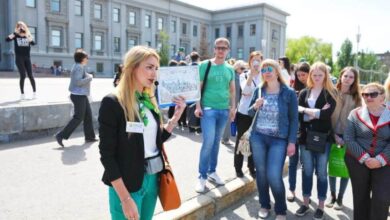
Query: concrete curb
x,y
208,205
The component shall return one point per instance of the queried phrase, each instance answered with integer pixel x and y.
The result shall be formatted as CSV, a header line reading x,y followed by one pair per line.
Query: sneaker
x,y
280,217
213,177
319,214
302,210
200,187
239,173
227,143
331,202
34,96
59,139
263,213
291,197
22,97
338,205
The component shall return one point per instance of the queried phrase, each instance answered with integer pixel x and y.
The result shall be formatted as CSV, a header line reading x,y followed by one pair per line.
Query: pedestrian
x,y
284,63
368,154
387,88
249,81
218,105
273,136
23,41
316,106
118,75
79,88
301,74
131,137
348,98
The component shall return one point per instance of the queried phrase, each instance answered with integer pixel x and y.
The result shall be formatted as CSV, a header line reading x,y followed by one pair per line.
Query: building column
x,y
233,43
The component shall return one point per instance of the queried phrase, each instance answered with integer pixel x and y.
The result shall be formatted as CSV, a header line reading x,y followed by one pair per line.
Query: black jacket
x,y
122,156
22,46
323,124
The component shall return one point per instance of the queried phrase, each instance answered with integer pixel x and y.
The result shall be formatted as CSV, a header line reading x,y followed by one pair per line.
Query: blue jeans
x,y
343,185
212,123
292,169
318,161
269,154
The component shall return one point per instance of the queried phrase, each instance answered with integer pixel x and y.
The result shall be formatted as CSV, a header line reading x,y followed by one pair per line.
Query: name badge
x,y
135,127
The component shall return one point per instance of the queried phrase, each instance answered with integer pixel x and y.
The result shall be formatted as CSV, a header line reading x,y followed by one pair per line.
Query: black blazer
x,y
323,124
122,156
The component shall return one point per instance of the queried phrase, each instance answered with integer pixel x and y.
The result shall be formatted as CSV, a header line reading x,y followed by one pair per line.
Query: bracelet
x,y
125,200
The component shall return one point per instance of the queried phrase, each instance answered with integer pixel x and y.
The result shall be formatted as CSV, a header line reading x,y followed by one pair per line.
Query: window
x,y
148,43
173,26
240,30
240,53
132,18
116,15
30,3
79,41
251,49
216,32
56,38
147,21
195,31
252,29
97,11
173,46
228,32
55,5
98,42
33,31
99,67
274,35
133,41
184,28
78,7
159,24
117,44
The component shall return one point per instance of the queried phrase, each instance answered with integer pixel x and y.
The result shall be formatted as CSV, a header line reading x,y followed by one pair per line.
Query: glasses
x,y
267,70
221,48
373,95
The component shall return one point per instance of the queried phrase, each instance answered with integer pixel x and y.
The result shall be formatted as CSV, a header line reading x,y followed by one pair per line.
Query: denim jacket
x,y
288,112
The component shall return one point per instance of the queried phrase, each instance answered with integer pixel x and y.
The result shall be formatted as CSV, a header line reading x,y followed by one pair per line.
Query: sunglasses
x,y
372,95
267,70
221,48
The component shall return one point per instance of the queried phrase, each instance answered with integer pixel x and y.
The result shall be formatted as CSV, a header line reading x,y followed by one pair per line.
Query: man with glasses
x,y
216,107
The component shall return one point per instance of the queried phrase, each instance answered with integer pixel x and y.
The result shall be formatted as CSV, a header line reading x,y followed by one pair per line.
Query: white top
x,y
286,76
150,134
247,91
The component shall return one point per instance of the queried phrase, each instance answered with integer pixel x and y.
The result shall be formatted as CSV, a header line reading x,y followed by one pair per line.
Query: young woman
x,y
248,82
273,136
284,63
348,98
316,105
80,84
368,154
301,75
131,137
23,40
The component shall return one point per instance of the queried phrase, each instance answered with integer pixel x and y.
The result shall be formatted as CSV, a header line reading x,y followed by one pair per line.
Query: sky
x,y
332,21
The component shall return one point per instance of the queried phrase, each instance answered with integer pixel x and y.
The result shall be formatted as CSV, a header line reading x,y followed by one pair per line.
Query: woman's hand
x,y
290,149
11,36
130,209
179,108
259,102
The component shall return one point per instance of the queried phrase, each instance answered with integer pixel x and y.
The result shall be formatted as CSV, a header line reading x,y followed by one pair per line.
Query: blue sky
x,y
332,21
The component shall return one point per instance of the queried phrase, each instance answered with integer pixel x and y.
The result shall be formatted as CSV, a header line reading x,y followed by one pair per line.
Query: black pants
x,y
243,123
82,113
365,182
24,65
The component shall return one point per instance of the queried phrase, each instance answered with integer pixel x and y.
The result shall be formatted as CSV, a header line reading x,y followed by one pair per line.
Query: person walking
x,y
273,136
316,106
214,110
22,43
80,84
132,135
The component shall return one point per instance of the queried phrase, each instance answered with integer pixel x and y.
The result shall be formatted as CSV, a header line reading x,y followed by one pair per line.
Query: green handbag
x,y
336,165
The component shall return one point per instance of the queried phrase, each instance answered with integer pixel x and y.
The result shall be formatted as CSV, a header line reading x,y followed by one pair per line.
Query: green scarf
x,y
145,102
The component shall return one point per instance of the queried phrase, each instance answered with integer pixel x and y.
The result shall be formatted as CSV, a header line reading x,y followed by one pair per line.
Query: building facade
x,y
106,29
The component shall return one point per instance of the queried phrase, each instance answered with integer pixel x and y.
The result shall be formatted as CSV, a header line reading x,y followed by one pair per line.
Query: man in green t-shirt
x,y
216,107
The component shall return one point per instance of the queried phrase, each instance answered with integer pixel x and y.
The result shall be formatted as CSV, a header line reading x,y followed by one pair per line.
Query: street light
x,y
358,35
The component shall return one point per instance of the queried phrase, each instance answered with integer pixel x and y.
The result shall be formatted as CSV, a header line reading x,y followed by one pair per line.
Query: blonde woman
x,y
131,137
22,43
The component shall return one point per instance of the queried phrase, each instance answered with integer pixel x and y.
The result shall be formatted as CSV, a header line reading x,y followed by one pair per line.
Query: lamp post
x,y
358,35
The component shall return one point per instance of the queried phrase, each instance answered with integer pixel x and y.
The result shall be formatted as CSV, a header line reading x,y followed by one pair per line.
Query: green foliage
x,y
345,56
164,50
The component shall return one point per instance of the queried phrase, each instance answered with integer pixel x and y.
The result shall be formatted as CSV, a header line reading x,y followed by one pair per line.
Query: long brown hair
x,y
327,83
354,90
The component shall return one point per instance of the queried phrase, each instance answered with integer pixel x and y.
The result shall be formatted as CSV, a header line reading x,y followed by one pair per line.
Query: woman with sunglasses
x,y
249,80
273,136
368,155
316,105
348,98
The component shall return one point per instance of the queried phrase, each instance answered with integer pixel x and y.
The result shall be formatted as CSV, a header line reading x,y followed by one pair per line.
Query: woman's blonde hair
x,y
278,70
327,83
25,27
387,88
125,91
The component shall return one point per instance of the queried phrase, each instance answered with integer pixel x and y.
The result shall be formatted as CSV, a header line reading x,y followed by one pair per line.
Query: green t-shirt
x,y
216,93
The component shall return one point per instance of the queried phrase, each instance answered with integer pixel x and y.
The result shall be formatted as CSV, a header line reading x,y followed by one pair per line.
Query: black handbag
x,y
193,121
316,141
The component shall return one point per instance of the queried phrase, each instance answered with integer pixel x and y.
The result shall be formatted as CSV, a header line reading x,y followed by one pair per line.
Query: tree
x,y
203,44
345,56
164,50
310,48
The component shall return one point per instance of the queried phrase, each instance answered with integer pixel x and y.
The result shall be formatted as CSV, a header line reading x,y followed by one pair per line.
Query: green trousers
x,y
145,199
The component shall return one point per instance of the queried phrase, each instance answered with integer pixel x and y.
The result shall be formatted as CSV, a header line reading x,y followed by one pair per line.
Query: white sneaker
x,y
280,217
213,177
263,213
22,97
200,187
34,96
